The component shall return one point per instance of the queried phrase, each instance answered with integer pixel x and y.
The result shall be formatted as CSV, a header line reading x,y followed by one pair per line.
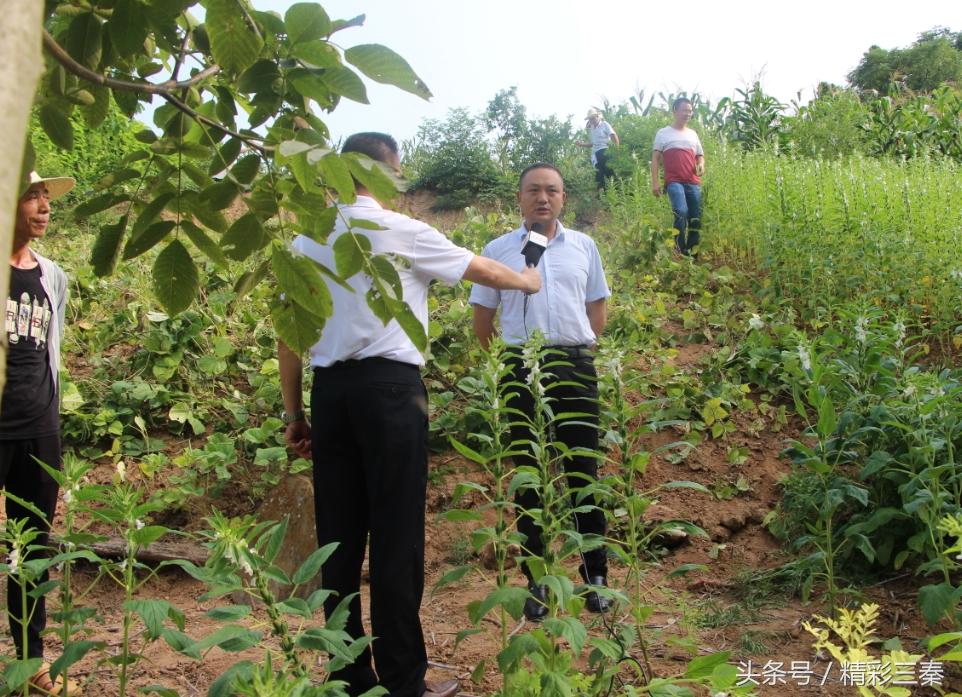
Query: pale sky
x,y
565,57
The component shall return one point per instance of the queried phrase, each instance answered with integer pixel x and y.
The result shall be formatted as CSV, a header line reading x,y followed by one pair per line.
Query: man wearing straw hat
x,y
30,408
600,134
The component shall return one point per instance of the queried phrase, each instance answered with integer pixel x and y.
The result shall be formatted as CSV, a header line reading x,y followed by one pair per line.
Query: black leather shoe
x,y
536,607
594,602
448,688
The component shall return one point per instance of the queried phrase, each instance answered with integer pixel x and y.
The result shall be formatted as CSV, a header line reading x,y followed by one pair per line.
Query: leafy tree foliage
x,y
934,59
243,92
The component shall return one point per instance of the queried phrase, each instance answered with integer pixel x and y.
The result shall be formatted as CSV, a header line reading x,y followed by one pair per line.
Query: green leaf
x,y
317,53
337,175
140,243
225,685
152,612
350,249
175,278
243,238
127,27
300,278
220,195
148,535
936,601
686,485
275,540
345,82
85,39
56,125
17,672
233,44
94,114
409,323
306,21
313,563
229,613
98,204
160,690
113,179
259,78
703,666
373,176
230,638
381,64
74,651
686,569
150,213
246,169
311,86
295,326
249,280
226,155
452,576
204,243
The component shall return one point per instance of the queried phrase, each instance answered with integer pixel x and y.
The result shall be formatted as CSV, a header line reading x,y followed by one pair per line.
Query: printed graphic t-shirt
x,y
29,408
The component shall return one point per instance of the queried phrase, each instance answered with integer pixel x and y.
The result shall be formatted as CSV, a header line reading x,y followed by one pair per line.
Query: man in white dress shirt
x,y
368,433
570,312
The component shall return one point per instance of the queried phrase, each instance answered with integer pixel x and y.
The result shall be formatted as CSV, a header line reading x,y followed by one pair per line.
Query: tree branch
x,y
197,116
85,73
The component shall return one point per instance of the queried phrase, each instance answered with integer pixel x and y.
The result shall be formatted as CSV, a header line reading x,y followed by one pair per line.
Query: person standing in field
x,y
30,410
369,431
679,148
570,313
600,135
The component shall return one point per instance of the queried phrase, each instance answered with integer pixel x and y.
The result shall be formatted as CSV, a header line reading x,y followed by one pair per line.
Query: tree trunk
x,y
21,64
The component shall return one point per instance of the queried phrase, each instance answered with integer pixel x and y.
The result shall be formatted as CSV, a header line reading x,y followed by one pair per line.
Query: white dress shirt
x,y
571,275
354,332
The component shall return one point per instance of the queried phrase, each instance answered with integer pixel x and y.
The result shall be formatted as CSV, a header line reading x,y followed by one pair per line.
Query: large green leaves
x,y
300,278
127,27
106,249
234,44
306,21
384,65
175,278
295,326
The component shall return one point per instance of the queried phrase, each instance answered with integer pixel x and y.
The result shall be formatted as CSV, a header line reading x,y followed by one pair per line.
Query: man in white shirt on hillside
x,y
600,136
368,434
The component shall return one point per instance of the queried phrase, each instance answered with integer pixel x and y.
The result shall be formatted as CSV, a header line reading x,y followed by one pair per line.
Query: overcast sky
x,y
565,56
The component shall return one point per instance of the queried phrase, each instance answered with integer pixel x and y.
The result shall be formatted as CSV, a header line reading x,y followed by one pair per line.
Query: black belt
x,y
362,362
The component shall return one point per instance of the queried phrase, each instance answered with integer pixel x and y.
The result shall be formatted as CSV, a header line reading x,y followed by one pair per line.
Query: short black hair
x,y
540,165
678,102
377,146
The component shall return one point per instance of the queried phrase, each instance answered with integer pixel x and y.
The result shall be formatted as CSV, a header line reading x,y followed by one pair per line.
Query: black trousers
x,y
21,476
579,396
602,170
369,429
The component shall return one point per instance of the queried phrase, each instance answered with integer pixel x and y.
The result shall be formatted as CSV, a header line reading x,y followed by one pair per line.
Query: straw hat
x,y
56,186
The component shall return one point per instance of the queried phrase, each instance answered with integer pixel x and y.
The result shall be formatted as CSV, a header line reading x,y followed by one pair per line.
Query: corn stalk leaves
x,y
383,65
234,44
175,278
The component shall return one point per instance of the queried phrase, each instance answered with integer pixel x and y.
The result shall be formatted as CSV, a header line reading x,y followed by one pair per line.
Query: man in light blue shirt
x,y
570,312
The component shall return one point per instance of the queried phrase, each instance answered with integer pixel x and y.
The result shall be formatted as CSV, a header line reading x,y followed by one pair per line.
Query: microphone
x,y
534,245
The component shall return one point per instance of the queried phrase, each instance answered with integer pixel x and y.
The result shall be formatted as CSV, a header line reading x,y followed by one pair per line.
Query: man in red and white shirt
x,y
679,148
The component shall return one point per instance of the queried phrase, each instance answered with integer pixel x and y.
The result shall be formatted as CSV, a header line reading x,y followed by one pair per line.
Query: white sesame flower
x,y
122,565
900,331
860,334
908,391
14,561
139,523
805,359
68,496
756,322
122,471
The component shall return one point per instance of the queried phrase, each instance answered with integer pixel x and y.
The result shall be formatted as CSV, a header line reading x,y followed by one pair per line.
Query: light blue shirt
x,y
571,276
